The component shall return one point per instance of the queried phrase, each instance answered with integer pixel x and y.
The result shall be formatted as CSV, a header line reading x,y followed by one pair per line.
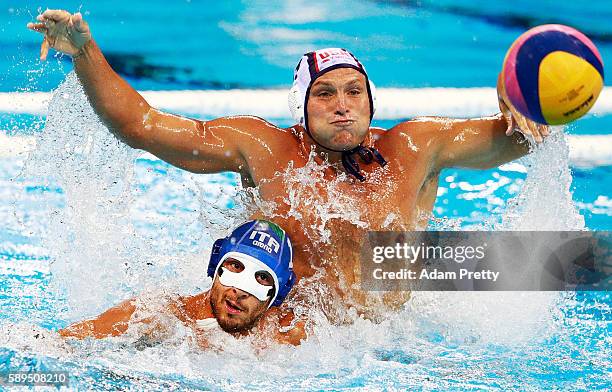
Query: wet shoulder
x,y
260,131
422,126
416,135
253,124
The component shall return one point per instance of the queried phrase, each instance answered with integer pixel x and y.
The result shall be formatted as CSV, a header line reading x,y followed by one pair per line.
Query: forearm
x,y
80,330
119,106
113,322
480,144
502,148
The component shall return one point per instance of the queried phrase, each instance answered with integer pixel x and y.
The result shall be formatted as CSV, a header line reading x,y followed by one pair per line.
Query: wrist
x,y
85,48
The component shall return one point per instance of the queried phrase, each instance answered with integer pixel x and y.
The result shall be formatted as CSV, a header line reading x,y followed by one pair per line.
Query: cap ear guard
x,y
215,257
284,290
372,95
296,104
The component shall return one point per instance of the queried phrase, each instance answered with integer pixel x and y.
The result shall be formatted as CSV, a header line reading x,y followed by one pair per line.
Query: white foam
x,y
393,103
11,146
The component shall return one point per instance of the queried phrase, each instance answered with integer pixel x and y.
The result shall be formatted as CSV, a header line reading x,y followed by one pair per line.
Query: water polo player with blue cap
x,y
252,271
256,258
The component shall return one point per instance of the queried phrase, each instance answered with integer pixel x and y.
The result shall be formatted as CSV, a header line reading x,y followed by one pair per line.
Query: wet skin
x,y
416,152
338,108
236,311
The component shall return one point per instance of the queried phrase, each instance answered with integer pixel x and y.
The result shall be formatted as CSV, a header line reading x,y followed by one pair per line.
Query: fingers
x,y
78,22
55,15
510,121
507,116
39,27
44,49
538,131
531,128
48,24
514,119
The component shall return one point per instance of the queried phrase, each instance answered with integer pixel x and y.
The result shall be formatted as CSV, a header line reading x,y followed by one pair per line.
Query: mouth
x,y
342,122
232,307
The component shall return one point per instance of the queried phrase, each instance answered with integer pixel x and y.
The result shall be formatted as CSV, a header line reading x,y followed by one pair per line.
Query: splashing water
x,y
105,229
323,204
546,201
127,225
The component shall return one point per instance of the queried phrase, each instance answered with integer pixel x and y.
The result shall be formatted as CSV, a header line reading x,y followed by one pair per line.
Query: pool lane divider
x,y
393,103
586,151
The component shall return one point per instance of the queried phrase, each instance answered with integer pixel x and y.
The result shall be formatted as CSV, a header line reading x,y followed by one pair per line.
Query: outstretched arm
x,y
204,147
477,143
488,142
113,322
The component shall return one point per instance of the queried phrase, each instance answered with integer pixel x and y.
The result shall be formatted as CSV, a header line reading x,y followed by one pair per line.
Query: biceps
x,y
191,144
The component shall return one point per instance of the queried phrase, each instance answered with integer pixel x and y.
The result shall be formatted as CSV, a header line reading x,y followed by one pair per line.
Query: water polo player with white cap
x,y
312,66
333,103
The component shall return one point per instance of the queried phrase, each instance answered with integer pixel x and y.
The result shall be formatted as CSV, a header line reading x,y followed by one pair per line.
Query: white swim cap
x,y
314,64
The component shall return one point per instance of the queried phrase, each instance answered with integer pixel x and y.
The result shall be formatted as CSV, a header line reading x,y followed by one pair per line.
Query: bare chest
x,y
391,197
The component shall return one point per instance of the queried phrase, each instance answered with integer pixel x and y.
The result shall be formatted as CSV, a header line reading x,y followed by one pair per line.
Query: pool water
x,y
85,221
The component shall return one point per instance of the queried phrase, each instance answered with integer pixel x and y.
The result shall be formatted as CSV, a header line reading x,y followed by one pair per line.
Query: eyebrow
x,y
328,84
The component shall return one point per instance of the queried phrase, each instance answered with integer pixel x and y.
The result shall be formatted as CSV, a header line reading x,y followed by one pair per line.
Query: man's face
x,y
339,109
234,309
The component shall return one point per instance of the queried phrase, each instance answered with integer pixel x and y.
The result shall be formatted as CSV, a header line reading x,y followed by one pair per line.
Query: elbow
x,y
129,126
132,137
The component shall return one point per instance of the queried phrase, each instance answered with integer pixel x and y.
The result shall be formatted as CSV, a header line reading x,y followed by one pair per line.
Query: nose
x,y
239,294
341,108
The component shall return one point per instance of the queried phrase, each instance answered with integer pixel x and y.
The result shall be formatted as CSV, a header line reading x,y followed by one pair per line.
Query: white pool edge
x,y
392,103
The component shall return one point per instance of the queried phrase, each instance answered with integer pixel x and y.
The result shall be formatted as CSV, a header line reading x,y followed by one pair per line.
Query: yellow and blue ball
x,y
553,74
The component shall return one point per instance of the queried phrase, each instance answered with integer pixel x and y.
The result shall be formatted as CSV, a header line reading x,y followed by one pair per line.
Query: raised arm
x,y
204,147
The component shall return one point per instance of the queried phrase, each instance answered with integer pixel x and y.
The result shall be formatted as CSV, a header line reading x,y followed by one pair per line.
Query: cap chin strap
x,y
367,154
245,280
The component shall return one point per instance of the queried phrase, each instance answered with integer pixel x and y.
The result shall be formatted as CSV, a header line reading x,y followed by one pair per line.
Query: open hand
x,y
516,119
64,32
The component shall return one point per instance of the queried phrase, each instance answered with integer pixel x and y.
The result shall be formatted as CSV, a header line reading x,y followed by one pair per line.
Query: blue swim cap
x,y
265,242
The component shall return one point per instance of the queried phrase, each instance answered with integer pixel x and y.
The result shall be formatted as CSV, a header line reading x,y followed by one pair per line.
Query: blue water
x,y
255,44
258,43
